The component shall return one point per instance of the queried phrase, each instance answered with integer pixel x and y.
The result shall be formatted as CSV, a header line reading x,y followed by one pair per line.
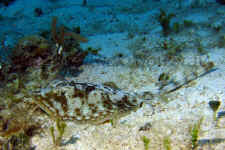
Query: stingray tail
x,y
167,86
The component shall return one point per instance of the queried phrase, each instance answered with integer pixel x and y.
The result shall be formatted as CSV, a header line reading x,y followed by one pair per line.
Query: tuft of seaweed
x,y
146,142
35,52
164,20
167,143
60,128
17,127
194,131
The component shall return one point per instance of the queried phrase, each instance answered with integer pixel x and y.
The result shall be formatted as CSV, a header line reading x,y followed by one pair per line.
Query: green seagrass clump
x,y
60,127
146,142
167,143
195,130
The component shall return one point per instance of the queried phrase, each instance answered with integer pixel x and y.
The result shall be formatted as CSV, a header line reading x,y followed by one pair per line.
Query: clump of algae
x,y
60,127
194,131
146,142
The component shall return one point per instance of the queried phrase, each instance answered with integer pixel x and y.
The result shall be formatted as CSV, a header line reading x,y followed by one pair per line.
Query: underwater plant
x,y
30,51
146,142
167,143
60,128
60,37
17,127
67,45
164,20
59,53
195,130
33,62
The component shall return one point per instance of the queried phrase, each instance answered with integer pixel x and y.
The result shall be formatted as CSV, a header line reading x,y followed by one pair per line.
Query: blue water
x,y
21,18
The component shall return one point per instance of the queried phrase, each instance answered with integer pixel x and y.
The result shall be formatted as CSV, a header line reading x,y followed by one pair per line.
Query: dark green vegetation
x,y
167,143
60,126
146,142
165,21
195,130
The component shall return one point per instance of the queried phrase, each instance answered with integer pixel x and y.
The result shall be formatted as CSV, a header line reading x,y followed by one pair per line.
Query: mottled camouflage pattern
x,y
92,103
86,102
